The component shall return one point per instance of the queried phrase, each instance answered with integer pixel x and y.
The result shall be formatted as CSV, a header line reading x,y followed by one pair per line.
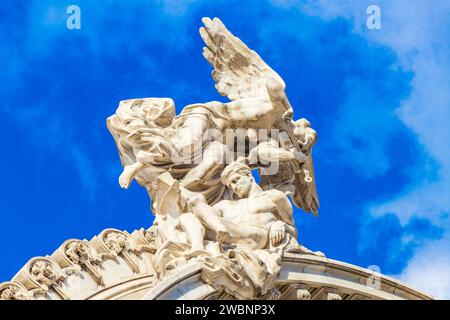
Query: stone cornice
x,y
117,265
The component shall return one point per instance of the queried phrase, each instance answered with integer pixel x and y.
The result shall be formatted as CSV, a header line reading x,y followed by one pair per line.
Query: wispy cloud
x,y
428,269
419,34
422,41
46,118
60,84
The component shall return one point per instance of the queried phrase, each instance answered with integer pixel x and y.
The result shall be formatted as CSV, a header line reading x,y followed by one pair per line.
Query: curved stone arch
x,y
323,278
82,253
14,290
112,243
303,277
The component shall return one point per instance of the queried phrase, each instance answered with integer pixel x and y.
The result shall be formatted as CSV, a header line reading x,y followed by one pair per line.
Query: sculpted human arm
x,y
278,229
270,151
249,109
284,206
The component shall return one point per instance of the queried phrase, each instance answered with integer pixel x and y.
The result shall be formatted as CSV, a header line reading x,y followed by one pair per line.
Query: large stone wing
x,y
239,72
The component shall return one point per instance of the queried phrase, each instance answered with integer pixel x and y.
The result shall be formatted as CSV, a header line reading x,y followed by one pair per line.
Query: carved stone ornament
x,y
208,208
13,290
113,243
47,274
81,253
217,232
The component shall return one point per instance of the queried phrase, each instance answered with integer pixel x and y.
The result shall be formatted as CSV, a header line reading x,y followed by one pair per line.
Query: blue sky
x,y
379,99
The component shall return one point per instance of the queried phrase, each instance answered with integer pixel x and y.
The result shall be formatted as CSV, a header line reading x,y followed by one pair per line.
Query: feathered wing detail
x,y
239,72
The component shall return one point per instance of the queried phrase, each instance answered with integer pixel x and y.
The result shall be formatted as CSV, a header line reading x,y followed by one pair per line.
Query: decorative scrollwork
x,y
13,291
120,243
48,274
117,242
81,253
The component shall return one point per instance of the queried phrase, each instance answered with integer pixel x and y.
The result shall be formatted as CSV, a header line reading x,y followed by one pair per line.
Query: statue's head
x,y
238,177
305,135
156,111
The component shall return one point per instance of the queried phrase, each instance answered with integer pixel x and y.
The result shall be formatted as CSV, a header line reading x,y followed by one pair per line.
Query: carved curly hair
x,y
234,167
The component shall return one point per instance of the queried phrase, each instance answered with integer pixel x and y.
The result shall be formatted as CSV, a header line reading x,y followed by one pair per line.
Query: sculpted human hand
x,y
277,232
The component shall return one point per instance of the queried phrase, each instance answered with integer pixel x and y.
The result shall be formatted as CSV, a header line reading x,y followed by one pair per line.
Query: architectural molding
x,y
115,265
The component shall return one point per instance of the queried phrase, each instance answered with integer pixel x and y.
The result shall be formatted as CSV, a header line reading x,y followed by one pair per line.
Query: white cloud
x,y
176,7
428,270
419,33
43,28
421,40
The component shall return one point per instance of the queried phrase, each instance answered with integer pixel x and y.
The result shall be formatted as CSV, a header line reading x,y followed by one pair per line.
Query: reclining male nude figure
x,y
257,219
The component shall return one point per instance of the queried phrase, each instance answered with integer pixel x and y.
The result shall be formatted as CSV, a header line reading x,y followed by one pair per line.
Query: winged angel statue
x,y
197,168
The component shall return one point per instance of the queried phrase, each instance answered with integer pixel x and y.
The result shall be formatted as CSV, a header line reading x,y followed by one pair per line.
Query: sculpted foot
x,y
127,175
125,179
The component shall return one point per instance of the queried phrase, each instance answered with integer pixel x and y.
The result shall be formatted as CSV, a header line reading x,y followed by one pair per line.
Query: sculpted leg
x,y
210,217
194,229
128,174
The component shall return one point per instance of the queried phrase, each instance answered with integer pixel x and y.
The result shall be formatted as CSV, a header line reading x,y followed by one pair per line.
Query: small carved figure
x,y
13,292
